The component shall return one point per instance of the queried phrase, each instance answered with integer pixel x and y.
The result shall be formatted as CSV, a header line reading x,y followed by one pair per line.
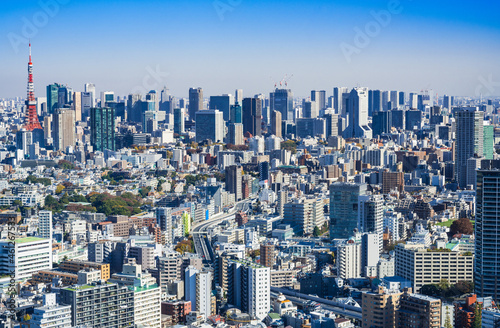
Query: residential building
x,y
30,255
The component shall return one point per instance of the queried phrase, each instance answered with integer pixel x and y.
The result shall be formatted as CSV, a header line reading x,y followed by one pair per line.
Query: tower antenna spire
x,y
32,121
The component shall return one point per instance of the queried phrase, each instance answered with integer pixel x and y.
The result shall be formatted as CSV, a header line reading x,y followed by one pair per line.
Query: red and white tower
x,y
32,122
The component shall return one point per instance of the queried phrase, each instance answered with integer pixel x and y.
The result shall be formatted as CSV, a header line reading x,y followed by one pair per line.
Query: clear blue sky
x,y
447,46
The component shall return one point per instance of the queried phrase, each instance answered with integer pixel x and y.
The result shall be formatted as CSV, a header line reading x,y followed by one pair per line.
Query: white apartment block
x,y
423,266
349,260
51,314
31,255
204,293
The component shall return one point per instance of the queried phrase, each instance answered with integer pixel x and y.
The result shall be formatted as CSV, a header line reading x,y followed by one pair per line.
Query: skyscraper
x,y
238,96
275,126
107,96
234,180
282,101
310,109
63,128
487,233
179,120
195,102
357,109
86,103
52,97
209,126
204,293
252,116
102,128
90,87
337,99
320,98
394,99
371,216
344,208
469,135
222,103
235,134
77,105
374,102
236,114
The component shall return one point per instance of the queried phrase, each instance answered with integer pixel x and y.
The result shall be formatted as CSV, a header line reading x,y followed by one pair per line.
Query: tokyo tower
x,y
32,122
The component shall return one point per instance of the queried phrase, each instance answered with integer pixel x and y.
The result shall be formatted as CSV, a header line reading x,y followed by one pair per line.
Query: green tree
x,y
316,232
447,320
478,313
17,203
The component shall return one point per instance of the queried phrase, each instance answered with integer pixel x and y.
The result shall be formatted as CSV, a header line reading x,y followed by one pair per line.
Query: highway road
x,y
347,311
201,242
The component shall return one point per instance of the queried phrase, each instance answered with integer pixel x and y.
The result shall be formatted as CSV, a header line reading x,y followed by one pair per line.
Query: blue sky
x,y
448,46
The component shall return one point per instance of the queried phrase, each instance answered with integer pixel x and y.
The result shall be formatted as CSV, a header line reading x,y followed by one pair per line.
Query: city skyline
x,y
223,45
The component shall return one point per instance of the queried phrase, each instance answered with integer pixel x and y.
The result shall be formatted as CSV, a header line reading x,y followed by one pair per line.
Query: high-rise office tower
x,y
413,101
153,96
320,98
63,97
337,99
235,134
263,171
179,120
374,102
446,102
90,87
385,95
238,96
413,119
167,101
332,124
371,216
402,98
249,287
134,108
45,224
357,107
107,96
236,114
234,180
86,104
63,128
222,103
102,128
310,109
77,105
487,233
469,143
394,99
195,102
282,101
252,116
52,97
209,126
344,208
275,126
381,122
